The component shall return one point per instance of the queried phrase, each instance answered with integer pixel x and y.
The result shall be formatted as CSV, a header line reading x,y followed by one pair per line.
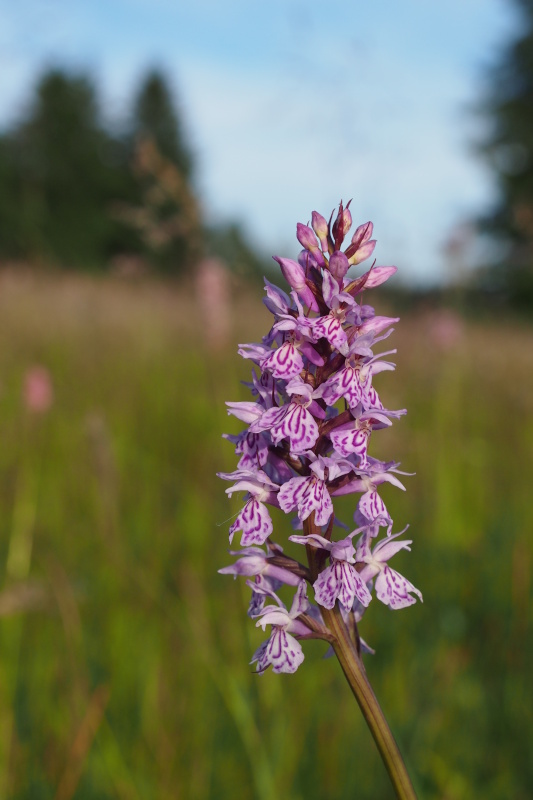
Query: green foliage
x,y
128,675
508,148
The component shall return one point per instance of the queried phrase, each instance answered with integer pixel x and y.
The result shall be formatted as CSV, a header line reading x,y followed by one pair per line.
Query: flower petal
x,y
255,523
394,590
282,651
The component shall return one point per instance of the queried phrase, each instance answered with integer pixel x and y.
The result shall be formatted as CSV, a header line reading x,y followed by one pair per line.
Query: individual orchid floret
x,y
264,387
340,580
371,509
295,276
252,447
277,301
284,362
378,275
254,519
308,494
294,421
376,325
282,651
352,437
330,327
351,383
391,588
287,360
254,561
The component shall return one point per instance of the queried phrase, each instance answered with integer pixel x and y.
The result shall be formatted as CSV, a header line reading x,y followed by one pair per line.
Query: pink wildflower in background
x,y
38,393
213,293
446,329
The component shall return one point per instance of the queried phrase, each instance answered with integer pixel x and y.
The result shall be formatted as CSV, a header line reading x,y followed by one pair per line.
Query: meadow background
x,y
153,156
124,655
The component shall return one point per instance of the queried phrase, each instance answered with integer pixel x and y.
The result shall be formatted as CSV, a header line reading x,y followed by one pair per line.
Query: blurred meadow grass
x,y
124,655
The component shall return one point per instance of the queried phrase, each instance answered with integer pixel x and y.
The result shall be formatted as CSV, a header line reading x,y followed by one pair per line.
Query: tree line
x,y
76,192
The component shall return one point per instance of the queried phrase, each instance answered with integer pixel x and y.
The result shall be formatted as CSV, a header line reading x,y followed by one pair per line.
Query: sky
x,y
290,106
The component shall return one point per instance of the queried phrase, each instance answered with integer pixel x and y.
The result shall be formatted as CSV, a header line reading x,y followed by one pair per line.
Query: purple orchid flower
x,y
294,274
353,383
340,580
253,520
371,509
282,651
330,327
310,493
252,447
254,562
352,437
302,447
295,421
287,360
391,588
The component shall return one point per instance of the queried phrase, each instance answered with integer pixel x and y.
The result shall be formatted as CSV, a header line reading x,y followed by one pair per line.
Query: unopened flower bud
x,y
307,239
362,234
362,246
308,261
338,265
295,277
342,225
320,227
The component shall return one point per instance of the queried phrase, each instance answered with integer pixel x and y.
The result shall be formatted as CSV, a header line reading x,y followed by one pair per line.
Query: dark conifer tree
x,y
66,172
508,148
155,117
166,214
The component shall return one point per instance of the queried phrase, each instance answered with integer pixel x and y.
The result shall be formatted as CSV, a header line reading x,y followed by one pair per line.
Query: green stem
x,y
355,674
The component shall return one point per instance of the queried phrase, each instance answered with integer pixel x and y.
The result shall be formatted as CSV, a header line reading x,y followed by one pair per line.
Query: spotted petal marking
x,y
394,590
371,399
340,580
291,492
298,426
308,494
284,362
254,450
282,651
255,523
351,441
348,384
372,507
331,329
